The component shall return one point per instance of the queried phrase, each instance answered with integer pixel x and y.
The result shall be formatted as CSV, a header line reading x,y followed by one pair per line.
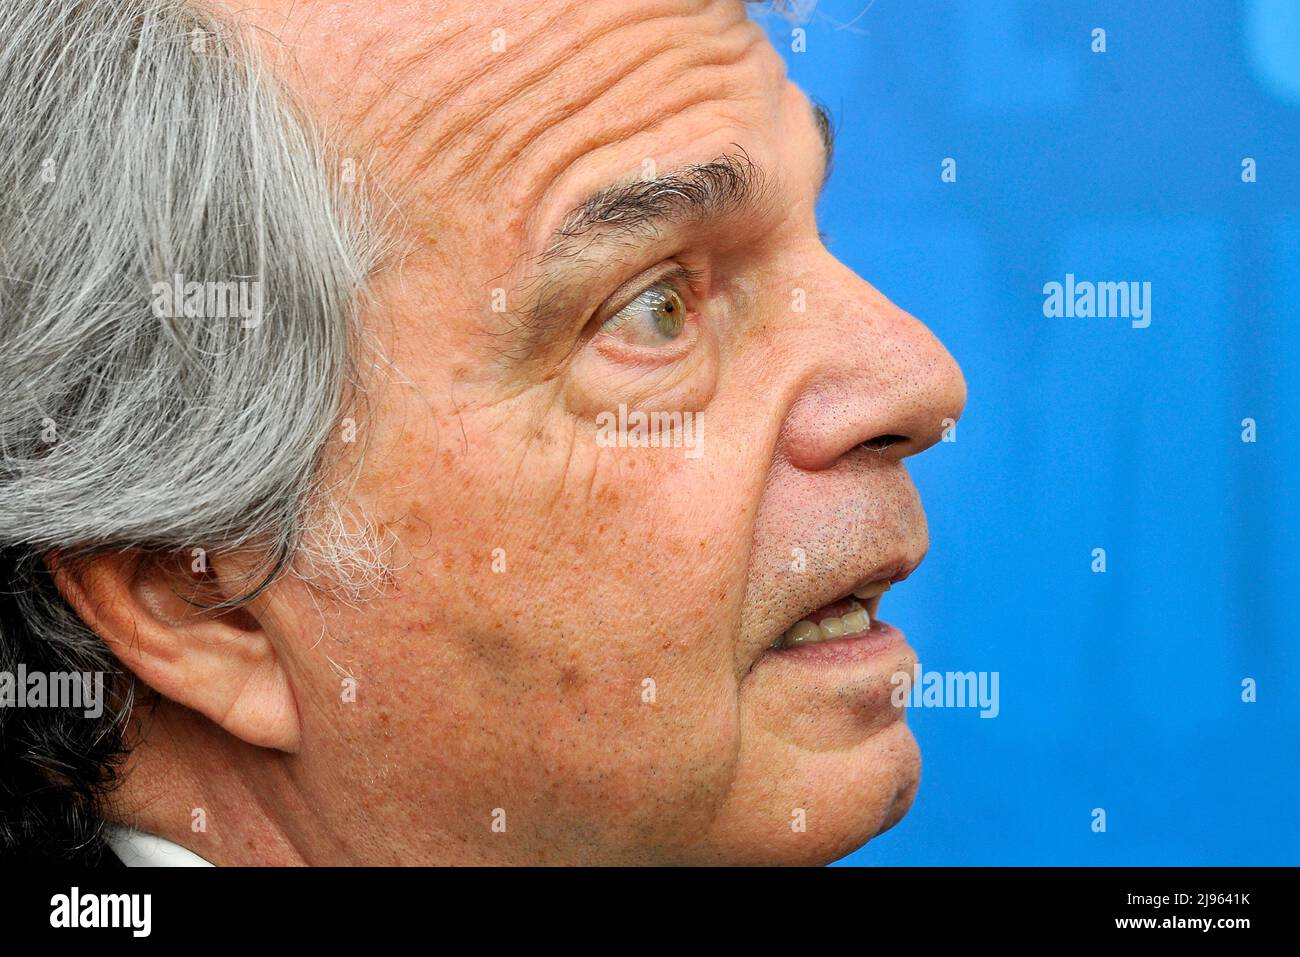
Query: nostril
x,y
882,442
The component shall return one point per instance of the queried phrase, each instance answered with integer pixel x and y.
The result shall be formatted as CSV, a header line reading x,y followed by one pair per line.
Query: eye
x,y
655,317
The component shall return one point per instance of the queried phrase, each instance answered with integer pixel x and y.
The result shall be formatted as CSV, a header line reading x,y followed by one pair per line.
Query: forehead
x,y
509,108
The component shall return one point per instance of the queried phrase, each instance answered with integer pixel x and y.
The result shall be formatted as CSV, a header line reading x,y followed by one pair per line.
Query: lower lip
x,y
876,640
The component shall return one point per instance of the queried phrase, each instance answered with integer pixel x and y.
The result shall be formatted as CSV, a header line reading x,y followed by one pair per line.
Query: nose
x,y
872,376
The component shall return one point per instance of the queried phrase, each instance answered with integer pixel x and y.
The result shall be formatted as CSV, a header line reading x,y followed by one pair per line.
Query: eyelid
x,y
684,279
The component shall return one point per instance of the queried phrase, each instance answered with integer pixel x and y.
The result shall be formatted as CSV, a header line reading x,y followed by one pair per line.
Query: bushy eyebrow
x,y
627,212
704,191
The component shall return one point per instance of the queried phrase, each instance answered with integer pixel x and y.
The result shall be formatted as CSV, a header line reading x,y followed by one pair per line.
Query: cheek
x,y
598,383
642,766
564,624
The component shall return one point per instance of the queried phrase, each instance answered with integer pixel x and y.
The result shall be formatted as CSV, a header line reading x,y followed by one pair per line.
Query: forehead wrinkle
x,y
461,98
417,117
537,80
427,127
514,137
559,164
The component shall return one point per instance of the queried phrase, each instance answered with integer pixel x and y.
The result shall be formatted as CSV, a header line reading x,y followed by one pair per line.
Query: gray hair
x,y
144,152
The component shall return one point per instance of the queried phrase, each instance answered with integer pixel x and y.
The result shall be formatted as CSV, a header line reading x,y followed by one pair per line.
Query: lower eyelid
x,y
618,349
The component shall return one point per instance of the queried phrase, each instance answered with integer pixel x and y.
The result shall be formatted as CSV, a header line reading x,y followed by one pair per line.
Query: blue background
x,y
1120,690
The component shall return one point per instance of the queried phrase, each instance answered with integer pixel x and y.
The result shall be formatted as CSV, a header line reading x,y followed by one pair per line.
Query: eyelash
x,y
682,278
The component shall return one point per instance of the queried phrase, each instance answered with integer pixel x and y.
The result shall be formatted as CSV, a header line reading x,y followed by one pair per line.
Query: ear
x,y
154,613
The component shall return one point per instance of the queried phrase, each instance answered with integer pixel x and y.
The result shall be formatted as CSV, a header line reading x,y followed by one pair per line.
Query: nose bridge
x,y
872,374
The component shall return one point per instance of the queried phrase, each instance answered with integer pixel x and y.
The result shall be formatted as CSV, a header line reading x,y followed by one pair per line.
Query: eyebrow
x,y
631,212
697,193
627,212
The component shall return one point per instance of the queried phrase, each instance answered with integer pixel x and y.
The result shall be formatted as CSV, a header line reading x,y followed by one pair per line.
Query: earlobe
x,y
156,617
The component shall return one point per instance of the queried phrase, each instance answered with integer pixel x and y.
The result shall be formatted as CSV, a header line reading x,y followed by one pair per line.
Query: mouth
x,y
852,615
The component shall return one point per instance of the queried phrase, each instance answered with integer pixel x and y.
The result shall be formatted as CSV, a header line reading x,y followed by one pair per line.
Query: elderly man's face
x,y
573,661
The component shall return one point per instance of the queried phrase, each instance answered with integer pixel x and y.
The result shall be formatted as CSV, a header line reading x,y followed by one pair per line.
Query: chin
x,y
848,797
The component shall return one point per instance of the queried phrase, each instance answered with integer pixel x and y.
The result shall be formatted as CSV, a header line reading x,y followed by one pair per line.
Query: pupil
x,y
669,324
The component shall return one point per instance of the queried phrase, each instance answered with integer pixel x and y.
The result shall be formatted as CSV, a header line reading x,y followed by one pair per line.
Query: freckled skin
x,y
525,690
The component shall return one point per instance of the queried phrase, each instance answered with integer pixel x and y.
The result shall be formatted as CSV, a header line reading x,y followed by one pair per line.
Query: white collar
x,y
138,849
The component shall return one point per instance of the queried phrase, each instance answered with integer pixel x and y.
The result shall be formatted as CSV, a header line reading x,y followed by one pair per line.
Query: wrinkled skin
x,y
525,689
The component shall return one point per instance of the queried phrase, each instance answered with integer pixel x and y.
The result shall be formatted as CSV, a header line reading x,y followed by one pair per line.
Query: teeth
x,y
804,633
872,590
856,621
831,628
811,633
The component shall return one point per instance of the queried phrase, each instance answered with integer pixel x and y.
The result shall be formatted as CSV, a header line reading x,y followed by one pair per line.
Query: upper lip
x,y
892,573
892,570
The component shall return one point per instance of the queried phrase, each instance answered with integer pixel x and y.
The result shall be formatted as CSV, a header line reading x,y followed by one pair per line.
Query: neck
x,y
198,787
